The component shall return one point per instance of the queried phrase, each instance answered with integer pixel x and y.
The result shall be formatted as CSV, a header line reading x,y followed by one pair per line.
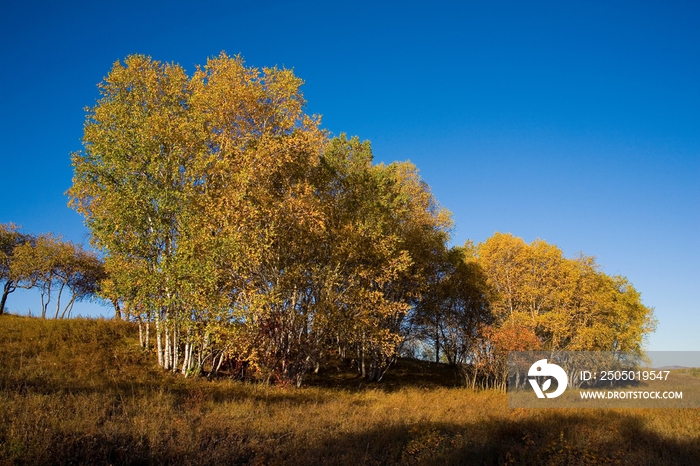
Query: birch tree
x,y
570,304
10,240
63,272
385,232
187,185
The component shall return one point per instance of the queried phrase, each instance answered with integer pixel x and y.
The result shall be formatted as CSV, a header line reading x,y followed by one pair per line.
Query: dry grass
x,y
81,392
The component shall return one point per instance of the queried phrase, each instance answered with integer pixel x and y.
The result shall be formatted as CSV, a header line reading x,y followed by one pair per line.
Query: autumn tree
x,y
191,186
384,234
255,218
56,268
133,178
10,240
603,313
456,307
83,275
507,295
570,304
231,220
486,364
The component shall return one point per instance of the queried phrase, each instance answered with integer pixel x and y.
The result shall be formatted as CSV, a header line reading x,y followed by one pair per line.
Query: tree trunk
x,y
45,299
437,344
218,365
168,354
148,332
176,353
6,290
69,308
186,359
362,357
58,301
118,311
141,342
159,341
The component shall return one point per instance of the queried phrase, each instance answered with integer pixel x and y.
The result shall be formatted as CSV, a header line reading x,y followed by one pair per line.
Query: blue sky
x,y
574,122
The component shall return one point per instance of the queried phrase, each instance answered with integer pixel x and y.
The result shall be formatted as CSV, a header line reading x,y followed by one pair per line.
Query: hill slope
x,y
82,392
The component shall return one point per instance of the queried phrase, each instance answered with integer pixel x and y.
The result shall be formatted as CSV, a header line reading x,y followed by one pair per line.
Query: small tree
x,y
53,266
83,273
10,240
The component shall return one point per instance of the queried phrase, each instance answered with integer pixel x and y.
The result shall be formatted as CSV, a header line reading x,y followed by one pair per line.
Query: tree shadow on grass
x,y
554,439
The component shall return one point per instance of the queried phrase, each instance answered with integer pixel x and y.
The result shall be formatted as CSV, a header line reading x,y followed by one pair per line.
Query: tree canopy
x,y
515,296
247,235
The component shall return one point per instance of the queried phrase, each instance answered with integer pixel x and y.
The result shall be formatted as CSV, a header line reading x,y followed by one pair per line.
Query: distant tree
x,y
83,274
570,304
37,265
10,239
54,266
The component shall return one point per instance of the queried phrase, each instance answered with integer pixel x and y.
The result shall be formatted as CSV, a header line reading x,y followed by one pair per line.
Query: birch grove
x,y
243,237
238,232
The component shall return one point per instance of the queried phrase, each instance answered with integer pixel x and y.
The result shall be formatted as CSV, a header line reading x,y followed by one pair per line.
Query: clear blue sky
x,y
574,122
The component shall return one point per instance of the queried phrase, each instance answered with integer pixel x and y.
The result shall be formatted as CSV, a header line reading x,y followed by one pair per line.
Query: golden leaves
x,y
217,195
569,303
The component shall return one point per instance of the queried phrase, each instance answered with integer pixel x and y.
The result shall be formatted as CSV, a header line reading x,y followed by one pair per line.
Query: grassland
x,y
82,392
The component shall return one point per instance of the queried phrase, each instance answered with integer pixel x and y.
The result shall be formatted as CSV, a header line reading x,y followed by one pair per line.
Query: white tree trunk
x,y
159,341
148,333
58,300
141,342
186,359
176,348
168,354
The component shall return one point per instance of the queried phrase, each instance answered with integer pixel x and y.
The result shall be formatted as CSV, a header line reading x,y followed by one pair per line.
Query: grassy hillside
x,y
82,392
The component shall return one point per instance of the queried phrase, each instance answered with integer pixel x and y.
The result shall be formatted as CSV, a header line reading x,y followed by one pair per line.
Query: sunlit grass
x,y
82,392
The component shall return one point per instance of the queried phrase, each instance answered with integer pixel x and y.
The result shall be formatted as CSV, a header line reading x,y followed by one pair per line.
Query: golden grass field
x,y
82,392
